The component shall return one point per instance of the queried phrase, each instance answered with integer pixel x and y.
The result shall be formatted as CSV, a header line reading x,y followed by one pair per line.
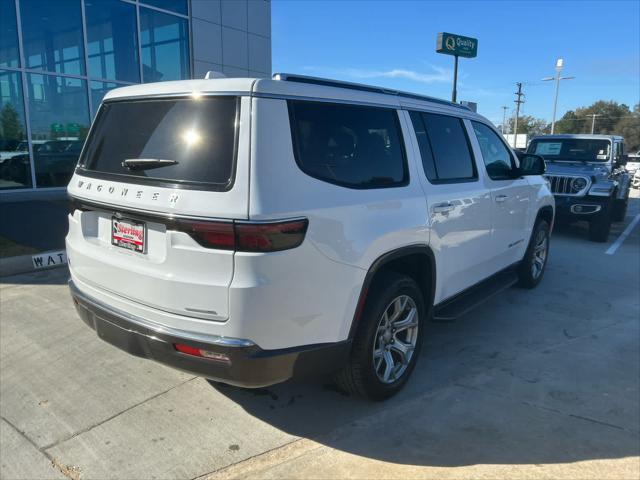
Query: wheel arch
x,y
546,213
416,261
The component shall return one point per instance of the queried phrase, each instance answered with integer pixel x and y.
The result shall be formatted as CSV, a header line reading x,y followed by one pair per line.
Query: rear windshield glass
x,y
576,149
178,141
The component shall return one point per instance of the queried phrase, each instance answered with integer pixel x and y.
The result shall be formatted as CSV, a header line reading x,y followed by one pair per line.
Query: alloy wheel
x,y
395,339
539,256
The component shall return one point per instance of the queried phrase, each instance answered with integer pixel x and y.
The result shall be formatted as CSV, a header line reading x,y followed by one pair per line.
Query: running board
x,y
472,297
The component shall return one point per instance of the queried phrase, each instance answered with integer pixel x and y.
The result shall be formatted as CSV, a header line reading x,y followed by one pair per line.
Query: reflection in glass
x,y
98,91
165,46
112,42
15,169
59,116
178,6
52,35
9,55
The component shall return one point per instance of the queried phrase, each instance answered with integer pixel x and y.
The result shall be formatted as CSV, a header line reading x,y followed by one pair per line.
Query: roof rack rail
x,y
327,82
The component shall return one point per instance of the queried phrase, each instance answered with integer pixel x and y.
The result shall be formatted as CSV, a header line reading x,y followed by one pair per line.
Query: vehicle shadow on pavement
x,y
53,276
531,377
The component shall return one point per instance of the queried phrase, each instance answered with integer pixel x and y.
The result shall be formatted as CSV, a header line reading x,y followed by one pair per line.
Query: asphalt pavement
x,y
541,383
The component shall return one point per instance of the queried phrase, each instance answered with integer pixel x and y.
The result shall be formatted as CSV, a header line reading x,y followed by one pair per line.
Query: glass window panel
x,y
59,116
351,146
112,40
15,167
178,6
9,54
496,156
450,147
52,35
199,135
165,46
426,154
98,91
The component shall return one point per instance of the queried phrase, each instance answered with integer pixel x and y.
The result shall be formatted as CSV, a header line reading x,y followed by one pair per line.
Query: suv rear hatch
x,y
158,186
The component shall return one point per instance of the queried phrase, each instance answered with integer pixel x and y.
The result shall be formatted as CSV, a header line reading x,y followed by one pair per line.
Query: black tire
x,y
620,210
359,376
528,276
600,227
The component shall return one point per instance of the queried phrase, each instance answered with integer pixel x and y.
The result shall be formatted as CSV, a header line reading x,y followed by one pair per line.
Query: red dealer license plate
x,y
128,234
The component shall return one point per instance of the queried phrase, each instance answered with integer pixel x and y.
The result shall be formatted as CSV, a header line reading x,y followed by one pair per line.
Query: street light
x,y
557,78
504,118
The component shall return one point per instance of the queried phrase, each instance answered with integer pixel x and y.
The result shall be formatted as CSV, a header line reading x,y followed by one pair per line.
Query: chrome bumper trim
x,y
174,332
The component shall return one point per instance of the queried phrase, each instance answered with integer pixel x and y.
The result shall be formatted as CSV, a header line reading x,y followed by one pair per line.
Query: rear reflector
x,y
198,352
247,236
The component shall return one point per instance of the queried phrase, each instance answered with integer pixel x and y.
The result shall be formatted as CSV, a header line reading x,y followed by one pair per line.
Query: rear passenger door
x,y
510,196
459,205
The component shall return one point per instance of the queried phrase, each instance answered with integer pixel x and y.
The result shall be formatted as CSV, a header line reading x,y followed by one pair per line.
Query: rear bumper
x,y
245,364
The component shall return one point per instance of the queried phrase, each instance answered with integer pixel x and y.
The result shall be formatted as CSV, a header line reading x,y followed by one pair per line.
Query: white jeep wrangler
x,y
255,230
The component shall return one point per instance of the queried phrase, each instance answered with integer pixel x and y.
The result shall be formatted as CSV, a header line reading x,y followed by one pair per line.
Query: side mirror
x,y
622,160
531,164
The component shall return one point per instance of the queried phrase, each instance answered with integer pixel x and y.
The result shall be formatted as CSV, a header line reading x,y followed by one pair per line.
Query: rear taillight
x,y
211,234
247,236
270,237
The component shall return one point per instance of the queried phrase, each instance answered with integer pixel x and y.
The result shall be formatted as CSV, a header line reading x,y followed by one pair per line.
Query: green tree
x,y
570,123
10,124
608,114
529,125
629,128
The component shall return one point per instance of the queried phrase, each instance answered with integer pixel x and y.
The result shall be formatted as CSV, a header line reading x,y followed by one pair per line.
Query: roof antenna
x,y
211,74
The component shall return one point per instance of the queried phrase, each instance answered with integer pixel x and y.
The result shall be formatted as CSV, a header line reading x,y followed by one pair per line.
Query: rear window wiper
x,y
147,163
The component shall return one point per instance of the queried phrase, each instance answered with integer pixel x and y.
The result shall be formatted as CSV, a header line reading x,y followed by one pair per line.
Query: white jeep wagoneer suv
x,y
254,230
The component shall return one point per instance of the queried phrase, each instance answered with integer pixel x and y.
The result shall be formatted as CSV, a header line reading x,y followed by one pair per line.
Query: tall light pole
x,y
557,78
504,117
593,121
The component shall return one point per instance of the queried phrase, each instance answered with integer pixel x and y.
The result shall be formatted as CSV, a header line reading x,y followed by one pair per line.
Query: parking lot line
x,y
615,245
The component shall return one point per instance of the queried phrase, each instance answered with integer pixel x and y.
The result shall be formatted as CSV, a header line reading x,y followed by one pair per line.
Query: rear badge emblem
x,y
173,199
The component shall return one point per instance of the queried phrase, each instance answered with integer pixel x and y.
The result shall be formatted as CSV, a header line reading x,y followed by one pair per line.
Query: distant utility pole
x,y
557,78
517,101
504,117
593,121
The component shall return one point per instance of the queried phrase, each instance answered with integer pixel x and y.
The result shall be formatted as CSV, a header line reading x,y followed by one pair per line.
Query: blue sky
x,y
392,43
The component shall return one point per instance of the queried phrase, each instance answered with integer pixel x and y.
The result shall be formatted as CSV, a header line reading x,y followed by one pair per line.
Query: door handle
x,y
501,198
443,207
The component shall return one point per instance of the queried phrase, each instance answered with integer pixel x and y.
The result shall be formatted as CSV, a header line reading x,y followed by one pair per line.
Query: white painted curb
x,y
32,263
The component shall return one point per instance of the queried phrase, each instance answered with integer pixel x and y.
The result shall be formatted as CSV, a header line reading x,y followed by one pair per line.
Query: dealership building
x,y
58,58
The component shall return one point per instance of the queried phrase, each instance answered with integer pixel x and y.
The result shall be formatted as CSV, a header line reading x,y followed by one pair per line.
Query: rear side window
x,y
444,148
348,145
193,139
